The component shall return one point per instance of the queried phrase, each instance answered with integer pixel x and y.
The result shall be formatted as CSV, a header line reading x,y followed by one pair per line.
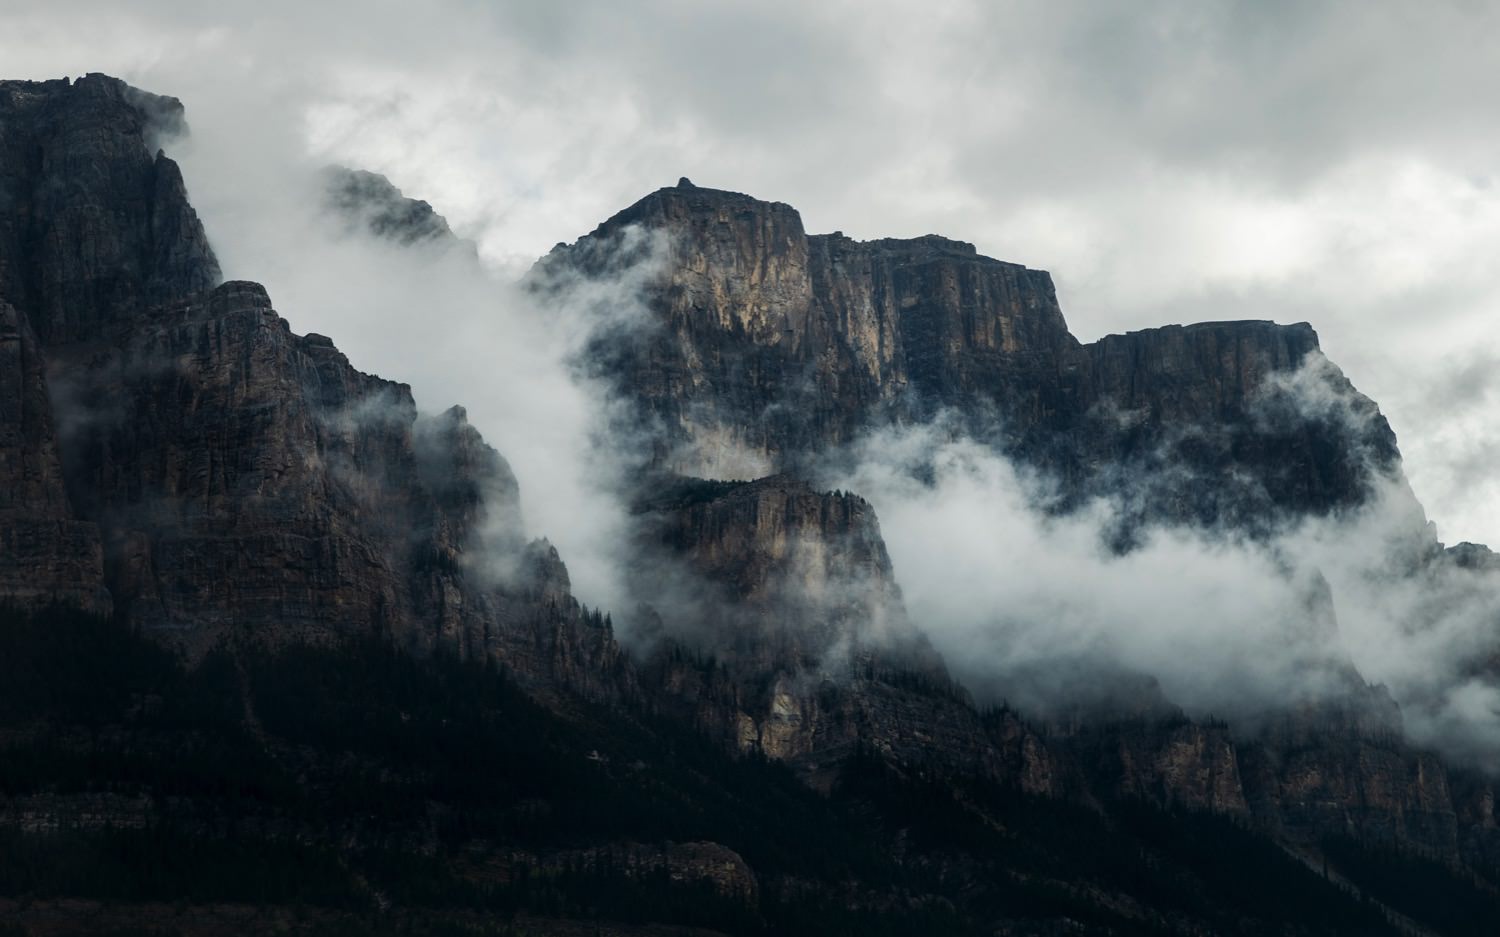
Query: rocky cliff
x,y
772,347
95,225
768,350
181,456
805,572
368,202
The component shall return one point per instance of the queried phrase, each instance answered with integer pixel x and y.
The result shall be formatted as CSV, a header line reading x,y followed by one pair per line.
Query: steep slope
x,y
96,225
183,457
773,347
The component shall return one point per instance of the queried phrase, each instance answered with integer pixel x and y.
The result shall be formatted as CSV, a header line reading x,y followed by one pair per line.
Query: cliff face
x,y
1343,769
806,573
246,474
772,347
773,344
178,455
93,227
1240,424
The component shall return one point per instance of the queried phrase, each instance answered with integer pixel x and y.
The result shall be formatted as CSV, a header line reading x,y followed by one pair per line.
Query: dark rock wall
x,y
47,553
175,453
95,223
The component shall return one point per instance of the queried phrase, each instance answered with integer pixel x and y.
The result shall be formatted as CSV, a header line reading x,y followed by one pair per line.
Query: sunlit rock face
x,y
774,614
768,353
769,348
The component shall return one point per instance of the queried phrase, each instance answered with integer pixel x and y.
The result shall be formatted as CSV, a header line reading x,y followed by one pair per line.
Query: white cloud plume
x,y
1033,606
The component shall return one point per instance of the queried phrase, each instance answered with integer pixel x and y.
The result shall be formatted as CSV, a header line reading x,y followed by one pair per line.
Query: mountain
x,y
278,654
771,349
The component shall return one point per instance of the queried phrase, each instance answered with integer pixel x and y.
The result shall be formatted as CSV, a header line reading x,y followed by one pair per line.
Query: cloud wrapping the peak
x,y
1044,609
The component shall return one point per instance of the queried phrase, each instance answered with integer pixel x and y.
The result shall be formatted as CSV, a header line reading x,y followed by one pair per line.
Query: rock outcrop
x,y
369,203
95,224
804,574
780,629
771,347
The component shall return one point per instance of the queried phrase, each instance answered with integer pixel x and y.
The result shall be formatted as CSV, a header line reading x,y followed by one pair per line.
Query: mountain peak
x,y
370,202
797,344
146,244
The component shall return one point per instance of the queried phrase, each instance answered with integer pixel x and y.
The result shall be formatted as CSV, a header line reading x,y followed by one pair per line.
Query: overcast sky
x,y
1167,161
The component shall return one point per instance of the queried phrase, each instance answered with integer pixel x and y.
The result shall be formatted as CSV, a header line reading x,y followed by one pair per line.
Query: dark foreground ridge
x,y
351,788
278,656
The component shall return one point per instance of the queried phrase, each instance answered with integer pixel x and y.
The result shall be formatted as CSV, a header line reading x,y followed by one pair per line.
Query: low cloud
x,y
1005,588
1042,608
433,315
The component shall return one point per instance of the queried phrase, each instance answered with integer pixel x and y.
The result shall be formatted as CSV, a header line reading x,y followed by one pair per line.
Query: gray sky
x,y
1167,161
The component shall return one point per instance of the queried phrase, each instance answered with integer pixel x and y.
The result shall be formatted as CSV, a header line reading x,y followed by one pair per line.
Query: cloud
x,y
1005,588
430,315
1042,608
